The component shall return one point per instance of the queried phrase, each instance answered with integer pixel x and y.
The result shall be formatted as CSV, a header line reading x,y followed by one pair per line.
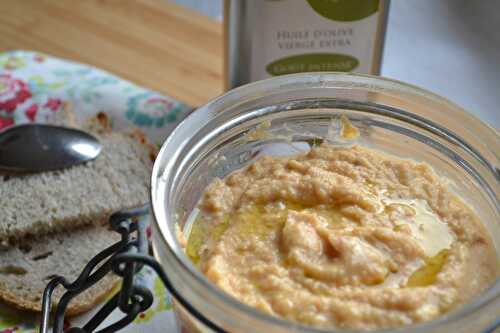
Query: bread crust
x,y
75,307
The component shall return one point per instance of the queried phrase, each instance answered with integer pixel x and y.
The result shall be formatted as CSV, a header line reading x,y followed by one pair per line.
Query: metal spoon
x,y
41,147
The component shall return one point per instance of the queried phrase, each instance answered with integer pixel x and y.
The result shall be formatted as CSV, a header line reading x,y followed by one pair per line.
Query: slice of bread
x,y
27,268
41,203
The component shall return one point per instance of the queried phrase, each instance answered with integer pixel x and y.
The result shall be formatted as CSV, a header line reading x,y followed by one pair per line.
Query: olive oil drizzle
x,y
260,221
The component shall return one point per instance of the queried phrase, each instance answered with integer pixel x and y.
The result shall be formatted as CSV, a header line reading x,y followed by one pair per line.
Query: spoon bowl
x,y
43,147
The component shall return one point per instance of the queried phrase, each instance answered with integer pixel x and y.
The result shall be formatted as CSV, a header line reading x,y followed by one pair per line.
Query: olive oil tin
x,y
265,38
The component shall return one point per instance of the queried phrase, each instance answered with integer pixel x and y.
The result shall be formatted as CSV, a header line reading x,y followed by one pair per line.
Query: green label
x,y
313,62
344,10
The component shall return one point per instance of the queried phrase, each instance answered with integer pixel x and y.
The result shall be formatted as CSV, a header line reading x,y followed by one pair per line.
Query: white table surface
x,y
450,47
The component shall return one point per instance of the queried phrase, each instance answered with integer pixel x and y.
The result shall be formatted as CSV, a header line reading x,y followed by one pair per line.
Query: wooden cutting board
x,y
153,43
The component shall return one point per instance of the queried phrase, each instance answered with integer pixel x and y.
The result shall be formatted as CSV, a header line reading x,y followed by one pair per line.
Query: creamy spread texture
x,y
342,237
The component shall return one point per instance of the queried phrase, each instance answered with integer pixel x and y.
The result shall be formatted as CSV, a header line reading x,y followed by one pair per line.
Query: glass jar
x,y
392,116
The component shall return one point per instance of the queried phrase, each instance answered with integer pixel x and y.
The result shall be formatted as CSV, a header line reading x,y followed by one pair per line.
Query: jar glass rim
x,y
252,90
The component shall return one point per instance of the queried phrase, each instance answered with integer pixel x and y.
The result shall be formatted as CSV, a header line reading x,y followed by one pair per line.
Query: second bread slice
x,y
26,269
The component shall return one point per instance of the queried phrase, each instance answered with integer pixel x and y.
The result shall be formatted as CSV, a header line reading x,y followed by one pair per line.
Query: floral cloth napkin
x,y
33,88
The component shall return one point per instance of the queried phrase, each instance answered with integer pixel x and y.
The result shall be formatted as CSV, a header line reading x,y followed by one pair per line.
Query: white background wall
x,y
451,47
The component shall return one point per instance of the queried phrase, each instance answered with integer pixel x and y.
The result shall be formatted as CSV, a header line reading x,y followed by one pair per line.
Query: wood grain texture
x,y
153,43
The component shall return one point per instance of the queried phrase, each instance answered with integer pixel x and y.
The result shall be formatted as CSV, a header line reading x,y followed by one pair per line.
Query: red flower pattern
x,y
12,93
31,112
15,92
6,122
53,104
